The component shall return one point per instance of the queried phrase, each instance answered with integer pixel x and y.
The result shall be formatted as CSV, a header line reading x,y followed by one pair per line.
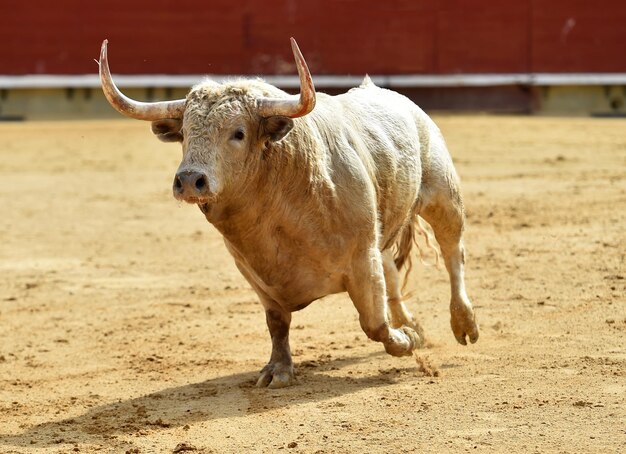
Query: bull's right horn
x,y
129,107
296,105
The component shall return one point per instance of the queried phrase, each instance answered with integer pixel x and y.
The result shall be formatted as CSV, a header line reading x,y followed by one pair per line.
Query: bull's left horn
x,y
129,107
296,105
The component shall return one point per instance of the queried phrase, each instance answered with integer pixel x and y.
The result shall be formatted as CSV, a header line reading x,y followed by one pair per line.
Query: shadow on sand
x,y
222,397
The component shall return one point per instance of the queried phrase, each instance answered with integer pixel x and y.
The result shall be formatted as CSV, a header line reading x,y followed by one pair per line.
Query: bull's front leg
x,y
366,287
278,373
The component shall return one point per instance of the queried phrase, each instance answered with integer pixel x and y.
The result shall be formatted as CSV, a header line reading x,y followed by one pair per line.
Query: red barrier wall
x,y
337,37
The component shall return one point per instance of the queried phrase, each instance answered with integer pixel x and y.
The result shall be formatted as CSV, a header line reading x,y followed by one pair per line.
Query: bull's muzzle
x,y
191,186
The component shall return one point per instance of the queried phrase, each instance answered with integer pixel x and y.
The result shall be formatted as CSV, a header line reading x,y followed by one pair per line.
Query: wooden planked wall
x,y
336,36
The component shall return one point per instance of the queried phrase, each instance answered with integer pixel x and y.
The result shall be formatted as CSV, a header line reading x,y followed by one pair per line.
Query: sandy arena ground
x,y
126,328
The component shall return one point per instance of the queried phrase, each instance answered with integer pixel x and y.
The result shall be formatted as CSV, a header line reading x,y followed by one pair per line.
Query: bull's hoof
x,y
417,341
463,323
276,376
421,338
402,341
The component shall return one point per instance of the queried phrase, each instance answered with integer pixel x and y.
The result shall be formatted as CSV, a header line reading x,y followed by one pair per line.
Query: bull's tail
x,y
405,243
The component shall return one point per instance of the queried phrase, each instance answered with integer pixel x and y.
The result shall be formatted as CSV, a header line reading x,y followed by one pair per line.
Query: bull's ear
x,y
275,128
168,130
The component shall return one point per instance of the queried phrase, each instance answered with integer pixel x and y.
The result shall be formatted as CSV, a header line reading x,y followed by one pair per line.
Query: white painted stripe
x,y
580,79
392,81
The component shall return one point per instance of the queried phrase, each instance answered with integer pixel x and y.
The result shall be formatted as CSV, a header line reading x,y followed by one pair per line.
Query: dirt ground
x,y
126,328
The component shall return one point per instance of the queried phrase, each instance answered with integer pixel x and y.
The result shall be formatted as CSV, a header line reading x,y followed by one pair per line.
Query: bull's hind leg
x,y
398,313
366,287
444,212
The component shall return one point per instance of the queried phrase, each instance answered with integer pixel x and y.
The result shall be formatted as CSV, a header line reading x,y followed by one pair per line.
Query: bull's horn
x,y
296,105
130,107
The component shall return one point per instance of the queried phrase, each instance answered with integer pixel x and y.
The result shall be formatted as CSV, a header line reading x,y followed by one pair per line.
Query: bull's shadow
x,y
222,397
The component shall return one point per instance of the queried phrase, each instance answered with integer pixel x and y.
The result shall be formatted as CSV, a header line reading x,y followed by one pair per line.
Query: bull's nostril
x,y
177,183
200,183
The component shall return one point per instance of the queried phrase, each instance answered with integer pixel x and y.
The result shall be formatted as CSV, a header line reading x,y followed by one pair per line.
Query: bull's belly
x,y
300,288
293,284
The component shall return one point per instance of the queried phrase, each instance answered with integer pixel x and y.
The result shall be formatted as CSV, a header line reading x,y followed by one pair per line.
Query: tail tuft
x,y
405,244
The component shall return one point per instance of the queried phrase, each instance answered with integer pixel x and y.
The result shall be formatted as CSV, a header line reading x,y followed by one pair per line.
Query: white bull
x,y
314,195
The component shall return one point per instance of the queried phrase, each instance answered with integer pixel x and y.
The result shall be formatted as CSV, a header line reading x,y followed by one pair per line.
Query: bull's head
x,y
219,125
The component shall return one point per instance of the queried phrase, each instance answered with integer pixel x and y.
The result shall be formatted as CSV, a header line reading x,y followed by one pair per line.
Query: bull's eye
x,y
238,135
